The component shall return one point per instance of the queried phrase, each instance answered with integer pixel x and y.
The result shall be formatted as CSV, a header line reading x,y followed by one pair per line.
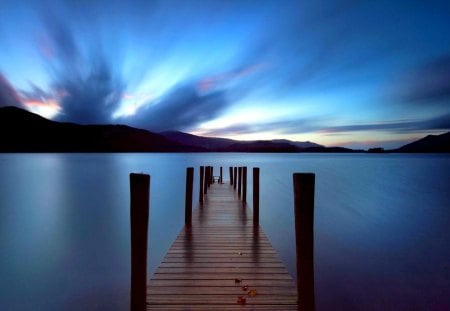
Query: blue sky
x,y
343,73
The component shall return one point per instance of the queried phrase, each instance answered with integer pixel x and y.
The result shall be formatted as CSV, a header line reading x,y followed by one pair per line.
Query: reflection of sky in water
x,y
381,225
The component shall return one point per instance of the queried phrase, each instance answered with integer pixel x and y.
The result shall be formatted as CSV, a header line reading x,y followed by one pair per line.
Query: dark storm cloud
x,y
89,86
428,83
8,95
182,108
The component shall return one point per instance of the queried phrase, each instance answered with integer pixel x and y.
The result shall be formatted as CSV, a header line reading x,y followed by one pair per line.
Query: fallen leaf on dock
x,y
241,300
252,293
237,280
245,287
240,253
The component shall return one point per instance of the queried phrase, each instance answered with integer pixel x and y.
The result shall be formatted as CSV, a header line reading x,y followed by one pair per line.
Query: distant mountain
x,y
23,131
208,143
299,144
230,145
428,144
260,146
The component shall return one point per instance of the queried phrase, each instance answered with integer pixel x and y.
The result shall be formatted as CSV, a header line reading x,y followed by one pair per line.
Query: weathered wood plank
x,y
210,262
211,290
185,307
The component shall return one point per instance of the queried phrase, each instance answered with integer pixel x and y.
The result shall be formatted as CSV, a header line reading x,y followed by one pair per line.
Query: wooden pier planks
x,y
209,262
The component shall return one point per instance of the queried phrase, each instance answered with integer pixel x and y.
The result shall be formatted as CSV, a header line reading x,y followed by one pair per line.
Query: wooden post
x,y
202,173
188,196
235,175
212,175
304,238
239,180
220,178
139,211
231,175
205,187
244,184
256,195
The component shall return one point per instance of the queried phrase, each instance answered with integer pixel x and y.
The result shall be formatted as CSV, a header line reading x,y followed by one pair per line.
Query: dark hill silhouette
x,y
230,145
428,144
23,131
299,144
260,146
208,143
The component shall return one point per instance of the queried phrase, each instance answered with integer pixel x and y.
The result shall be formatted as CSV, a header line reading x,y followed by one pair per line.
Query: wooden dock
x,y
221,262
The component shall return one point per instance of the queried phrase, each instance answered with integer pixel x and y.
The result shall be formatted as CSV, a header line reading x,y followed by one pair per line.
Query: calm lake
x,y
382,225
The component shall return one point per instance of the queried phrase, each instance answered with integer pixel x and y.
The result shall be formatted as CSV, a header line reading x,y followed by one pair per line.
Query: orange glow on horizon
x,y
48,109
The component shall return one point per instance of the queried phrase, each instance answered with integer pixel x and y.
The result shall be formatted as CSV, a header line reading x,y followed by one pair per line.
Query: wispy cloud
x,y
182,108
437,123
429,83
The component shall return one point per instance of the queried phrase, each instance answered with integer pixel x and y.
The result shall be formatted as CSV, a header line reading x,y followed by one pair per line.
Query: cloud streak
x,y
428,83
182,108
437,123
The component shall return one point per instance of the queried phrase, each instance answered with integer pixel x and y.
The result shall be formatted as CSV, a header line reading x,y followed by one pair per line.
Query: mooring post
x,y
304,238
239,180
220,178
235,175
256,195
139,211
202,173
231,175
188,196
212,175
244,184
205,187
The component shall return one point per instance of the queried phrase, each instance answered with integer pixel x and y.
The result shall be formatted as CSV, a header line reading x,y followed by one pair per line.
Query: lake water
x,y
382,225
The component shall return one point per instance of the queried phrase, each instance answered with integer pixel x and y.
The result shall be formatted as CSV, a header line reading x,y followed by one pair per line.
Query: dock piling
x,y
205,182
231,175
256,196
139,212
188,196
234,175
239,180
220,178
202,173
304,237
244,184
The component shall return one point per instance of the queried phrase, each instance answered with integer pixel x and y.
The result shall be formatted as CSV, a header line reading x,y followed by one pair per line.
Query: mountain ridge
x,y
24,131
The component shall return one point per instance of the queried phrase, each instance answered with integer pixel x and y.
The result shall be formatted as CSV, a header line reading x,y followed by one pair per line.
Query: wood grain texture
x,y
208,265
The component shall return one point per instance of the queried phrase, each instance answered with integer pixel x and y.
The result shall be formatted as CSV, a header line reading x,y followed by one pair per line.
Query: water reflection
x,y
381,225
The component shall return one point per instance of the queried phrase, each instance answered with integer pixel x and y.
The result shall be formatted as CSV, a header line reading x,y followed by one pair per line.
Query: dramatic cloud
x,y
182,108
89,86
8,95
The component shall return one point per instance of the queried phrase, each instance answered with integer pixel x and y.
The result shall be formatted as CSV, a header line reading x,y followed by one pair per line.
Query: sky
x,y
357,74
